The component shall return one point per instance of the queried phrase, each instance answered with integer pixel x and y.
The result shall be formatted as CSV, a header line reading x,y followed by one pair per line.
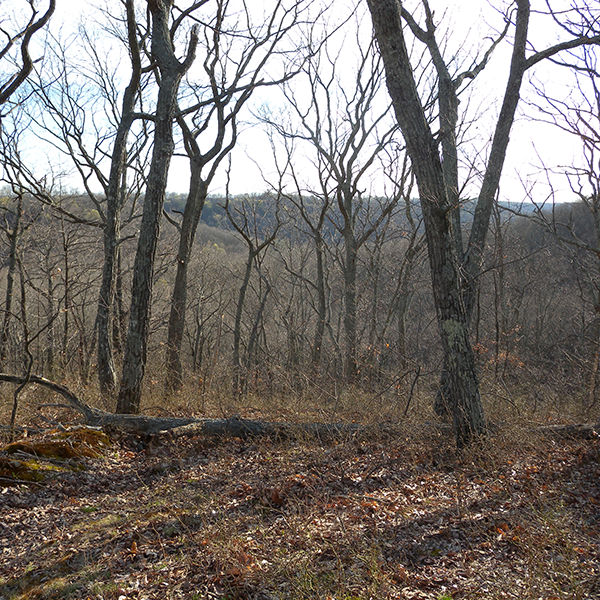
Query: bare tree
x,y
78,99
21,38
346,127
578,226
394,254
258,229
311,219
170,71
116,197
455,270
233,69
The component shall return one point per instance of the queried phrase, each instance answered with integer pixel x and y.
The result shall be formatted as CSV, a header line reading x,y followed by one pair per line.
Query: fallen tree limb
x,y
100,418
244,428
580,431
87,411
234,426
186,426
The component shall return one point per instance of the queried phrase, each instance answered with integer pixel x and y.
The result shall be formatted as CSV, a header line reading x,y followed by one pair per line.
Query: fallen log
x,y
243,428
579,432
181,426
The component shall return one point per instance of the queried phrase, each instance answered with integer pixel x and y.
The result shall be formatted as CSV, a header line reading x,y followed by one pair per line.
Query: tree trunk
x,y
171,71
422,148
189,225
107,377
404,300
23,305
253,339
10,279
317,349
491,180
64,351
471,261
48,354
114,203
238,368
134,362
350,350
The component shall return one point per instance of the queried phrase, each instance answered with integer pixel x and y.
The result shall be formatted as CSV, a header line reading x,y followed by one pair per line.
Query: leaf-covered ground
x,y
401,516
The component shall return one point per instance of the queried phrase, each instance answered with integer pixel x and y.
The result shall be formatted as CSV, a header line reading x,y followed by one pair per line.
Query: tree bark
x,y
422,148
189,225
115,199
171,73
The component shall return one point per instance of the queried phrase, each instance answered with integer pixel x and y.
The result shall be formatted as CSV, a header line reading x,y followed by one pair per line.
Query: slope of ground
x,y
401,516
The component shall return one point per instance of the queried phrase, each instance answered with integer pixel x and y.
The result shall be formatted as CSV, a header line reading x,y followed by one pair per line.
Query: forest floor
x,y
390,516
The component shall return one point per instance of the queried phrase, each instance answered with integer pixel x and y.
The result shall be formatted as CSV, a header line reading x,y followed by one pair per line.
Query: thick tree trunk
x,y
471,261
172,71
134,362
463,388
422,148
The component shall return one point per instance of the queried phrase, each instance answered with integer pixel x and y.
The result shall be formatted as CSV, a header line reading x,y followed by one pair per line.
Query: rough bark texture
x,y
422,148
171,71
114,204
189,225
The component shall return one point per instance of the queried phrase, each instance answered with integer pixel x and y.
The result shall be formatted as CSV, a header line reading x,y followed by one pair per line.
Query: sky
x,y
533,146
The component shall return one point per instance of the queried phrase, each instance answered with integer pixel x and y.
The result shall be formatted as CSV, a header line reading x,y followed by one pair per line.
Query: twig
x,y
412,389
20,481
51,405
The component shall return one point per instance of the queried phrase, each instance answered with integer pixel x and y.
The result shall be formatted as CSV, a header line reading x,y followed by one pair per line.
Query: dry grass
x,y
395,515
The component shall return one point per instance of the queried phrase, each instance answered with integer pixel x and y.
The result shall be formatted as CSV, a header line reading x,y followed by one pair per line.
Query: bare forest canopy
x,y
544,314
230,394
385,263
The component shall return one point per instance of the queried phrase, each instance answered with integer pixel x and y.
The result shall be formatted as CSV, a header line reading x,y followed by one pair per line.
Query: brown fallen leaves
x,y
398,517
35,460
